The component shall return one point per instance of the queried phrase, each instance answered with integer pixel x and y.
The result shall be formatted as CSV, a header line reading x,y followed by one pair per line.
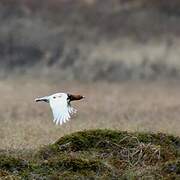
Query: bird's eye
x,y
54,97
59,96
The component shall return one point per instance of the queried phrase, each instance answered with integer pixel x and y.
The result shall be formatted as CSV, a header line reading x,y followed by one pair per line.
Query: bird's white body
x,y
60,106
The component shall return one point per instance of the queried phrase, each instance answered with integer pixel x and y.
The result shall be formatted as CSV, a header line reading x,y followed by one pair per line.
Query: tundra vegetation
x,y
98,154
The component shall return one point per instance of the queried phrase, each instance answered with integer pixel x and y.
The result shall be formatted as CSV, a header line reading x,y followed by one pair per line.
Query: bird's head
x,y
59,96
72,97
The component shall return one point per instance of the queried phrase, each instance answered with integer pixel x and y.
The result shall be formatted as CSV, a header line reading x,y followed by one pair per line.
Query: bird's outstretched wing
x,y
62,111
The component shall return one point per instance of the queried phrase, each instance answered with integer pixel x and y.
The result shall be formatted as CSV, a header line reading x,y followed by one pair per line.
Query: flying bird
x,y
60,104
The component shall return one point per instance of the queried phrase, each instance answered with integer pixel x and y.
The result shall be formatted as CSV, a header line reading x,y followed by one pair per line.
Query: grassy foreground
x,y
98,154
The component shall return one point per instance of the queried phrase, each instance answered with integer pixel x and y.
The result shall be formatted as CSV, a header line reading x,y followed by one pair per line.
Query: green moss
x,y
10,163
89,139
100,154
76,164
82,141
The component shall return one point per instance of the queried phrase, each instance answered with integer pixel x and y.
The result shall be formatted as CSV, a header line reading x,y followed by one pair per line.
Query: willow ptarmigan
x,y
60,104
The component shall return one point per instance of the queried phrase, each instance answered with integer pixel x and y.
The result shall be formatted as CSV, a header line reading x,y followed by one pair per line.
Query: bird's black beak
x,y
44,99
72,97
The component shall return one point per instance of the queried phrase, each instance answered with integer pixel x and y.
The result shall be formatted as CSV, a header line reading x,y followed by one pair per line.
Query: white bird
x,y
60,104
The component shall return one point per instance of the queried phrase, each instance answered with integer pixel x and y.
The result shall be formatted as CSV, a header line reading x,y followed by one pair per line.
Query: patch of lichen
x,y
100,154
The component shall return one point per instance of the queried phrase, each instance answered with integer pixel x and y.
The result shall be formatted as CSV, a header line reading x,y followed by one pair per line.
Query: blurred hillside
x,y
91,39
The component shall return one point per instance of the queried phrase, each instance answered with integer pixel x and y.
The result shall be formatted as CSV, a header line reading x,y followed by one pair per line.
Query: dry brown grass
x,y
131,106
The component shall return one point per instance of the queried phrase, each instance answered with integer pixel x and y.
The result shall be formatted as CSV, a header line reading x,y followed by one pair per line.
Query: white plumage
x,y
60,106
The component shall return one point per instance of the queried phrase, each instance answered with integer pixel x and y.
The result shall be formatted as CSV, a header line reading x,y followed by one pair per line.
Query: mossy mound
x,y
103,154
